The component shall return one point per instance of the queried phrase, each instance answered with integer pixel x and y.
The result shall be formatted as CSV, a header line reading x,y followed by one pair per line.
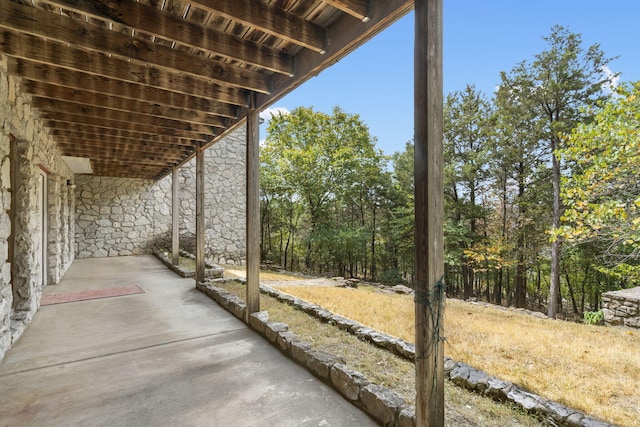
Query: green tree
x,y
319,162
467,116
556,87
602,192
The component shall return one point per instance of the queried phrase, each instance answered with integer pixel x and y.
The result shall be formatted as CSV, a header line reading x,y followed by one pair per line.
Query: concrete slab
x,y
167,357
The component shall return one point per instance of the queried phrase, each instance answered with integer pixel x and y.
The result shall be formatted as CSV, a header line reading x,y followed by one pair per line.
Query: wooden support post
x,y
253,209
199,215
429,213
175,211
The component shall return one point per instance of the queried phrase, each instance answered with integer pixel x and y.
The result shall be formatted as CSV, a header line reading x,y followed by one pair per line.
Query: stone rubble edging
x,y
379,402
387,410
210,271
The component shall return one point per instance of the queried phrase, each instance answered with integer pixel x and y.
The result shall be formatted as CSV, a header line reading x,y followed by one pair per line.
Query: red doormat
x,y
61,298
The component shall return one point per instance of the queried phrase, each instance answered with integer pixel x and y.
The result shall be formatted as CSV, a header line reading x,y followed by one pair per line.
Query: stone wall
x,y
622,307
225,213
29,257
118,216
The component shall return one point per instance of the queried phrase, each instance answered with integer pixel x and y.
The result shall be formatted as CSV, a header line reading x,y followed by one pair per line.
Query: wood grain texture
x,y
153,21
271,20
39,23
171,71
429,214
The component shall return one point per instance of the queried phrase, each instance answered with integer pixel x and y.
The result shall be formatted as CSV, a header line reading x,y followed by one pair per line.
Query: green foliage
x,y
321,182
602,195
594,317
329,203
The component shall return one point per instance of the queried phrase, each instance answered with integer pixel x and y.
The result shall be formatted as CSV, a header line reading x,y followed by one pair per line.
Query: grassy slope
x,y
462,408
590,368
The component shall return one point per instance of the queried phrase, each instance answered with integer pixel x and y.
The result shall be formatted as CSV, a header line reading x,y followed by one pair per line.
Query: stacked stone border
x,y
210,271
381,403
622,307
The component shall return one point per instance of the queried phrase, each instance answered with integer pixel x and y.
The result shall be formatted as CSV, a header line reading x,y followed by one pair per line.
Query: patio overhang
x,y
138,87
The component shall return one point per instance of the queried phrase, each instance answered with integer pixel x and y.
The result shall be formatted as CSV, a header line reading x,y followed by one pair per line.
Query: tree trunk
x,y
571,294
497,290
554,287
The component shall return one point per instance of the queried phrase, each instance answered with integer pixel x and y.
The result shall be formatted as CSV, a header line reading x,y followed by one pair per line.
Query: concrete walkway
x,y
167,357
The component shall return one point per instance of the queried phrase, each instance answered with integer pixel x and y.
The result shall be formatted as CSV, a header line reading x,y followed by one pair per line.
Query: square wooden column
x,y
175,209
429,214
199,215
253,209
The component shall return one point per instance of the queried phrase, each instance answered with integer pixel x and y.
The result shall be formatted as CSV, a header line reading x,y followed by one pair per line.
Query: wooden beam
x,y
46,105
356,8
96,99
175,212
92,133
429,214
52,53
270,20
38,22
343,37
199,215
82,98
253,210
138,161
159,23
109,146
80,119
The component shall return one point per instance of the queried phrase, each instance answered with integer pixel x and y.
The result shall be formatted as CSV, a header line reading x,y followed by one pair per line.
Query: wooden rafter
x,y
56,93
170,75
270,20
357,8
40,23
178,96
171,27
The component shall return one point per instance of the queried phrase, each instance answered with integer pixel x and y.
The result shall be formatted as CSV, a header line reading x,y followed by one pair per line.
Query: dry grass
x,y
590,368
463,408
235,271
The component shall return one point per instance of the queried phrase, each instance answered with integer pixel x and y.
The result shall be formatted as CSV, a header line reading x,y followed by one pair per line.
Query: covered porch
x,y
132,91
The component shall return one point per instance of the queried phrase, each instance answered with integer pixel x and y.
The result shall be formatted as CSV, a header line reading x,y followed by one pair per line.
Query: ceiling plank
x,y
100,84
33,48
55,93
85,120
38,22
356,8
271,20
46,105
171,27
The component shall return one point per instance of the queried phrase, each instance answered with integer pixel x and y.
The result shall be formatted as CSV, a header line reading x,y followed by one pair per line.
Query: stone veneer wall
x,y
34,150
118,216
622,307
224,211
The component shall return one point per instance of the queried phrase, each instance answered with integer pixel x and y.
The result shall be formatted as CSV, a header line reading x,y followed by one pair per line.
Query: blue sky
x,y
481,38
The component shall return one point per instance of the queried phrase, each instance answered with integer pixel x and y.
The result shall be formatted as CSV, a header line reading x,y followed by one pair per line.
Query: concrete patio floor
x,y
167,357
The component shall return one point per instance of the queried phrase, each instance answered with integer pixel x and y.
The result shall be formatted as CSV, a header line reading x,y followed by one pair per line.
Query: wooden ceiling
x,y
137,86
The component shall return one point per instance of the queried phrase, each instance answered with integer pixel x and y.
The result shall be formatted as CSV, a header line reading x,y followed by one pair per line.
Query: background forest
x,y
541,197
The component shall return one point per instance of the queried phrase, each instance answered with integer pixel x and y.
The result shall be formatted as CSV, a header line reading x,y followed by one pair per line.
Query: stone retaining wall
x,y
380,402
622,307
120,216
34,257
